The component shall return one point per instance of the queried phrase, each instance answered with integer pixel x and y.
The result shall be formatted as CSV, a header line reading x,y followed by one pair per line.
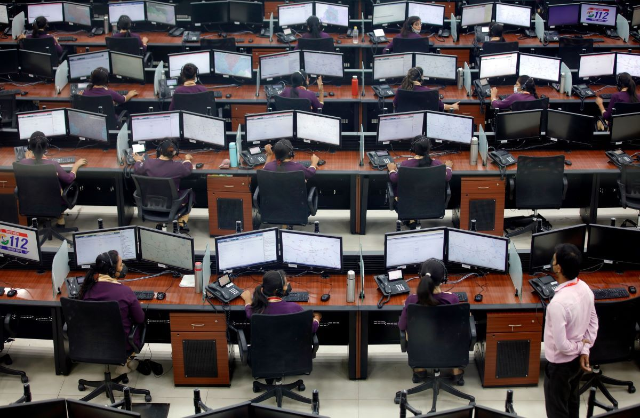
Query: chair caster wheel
x,y
396,400
632,389
147,398
25,379
256,388
81,388
301,388
125,380
460,382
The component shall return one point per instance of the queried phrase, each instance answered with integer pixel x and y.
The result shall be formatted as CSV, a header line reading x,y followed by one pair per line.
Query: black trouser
x,y
561,386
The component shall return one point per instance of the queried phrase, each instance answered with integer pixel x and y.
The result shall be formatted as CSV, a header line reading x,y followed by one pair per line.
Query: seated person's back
x,y
525,88
413,82
124,31
98,86
40,26
298,90
626,94
314,30
189,75
281,159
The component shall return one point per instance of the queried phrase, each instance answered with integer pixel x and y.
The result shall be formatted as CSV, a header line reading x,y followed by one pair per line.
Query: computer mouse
x,y
161,295
441,96
199,165
228,96
331,94
567,162
1,291
632,290
250,40
325,297
338,41
321,162
11,293
24,93
478,298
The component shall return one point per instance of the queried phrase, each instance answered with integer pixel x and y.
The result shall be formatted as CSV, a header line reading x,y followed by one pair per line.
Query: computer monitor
x,y
596,65
479,14
247,250
251,13
52,11
4,15
49,122
484,412
462,412
127,66
563,15
400,126
153,126
323,129
201,59
610,243
305,249
233,64
473,249
268,126
161,13
9,61
438,66
518,125
203,128
572,127
282,64
171,250
510,14
628,63
77,14
333,14
628,412
23,242
391,65
540,67
88,125
598,14
413,247
88,245
429,14
385,13
77,409
210,12
450,127
543,245
625,128
499,65
35,63
294,14
635,17
82,65
327,64
133,9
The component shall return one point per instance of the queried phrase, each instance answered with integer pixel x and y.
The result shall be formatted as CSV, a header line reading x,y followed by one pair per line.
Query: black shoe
x,y
418,377
144,367
184,227
156,368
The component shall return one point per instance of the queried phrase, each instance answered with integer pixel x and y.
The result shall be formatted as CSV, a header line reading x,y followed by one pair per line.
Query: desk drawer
x,y
7,183
228,184
514,322
492,186
198,322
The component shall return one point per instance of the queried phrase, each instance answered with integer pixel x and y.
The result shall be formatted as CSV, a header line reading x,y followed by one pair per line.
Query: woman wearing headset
x,y
410,30
298,90
495,32
524,89
314,27
626,94
40,26
413,81
99,87
189,75
124,31
280,158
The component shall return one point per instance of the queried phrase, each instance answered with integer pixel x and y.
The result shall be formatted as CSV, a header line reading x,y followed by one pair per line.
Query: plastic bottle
x,y
473,151
198,277
355,35
354,86
351,286
233,155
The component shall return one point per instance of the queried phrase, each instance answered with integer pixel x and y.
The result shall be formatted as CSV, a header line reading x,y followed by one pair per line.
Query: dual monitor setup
x,y
22,61
509,64
304,126
434,66
178,124
63,122
581,14
121,66
284,64
228,64
507,14
397,12
437,125
61,12
295,14
609,64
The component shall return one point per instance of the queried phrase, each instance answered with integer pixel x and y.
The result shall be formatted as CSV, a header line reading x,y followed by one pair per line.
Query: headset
x,y
304,76
112,269
415,142
183,78
420,72
530,81
101,70
289,147
319,21
446,274
41,137
165,145
280,292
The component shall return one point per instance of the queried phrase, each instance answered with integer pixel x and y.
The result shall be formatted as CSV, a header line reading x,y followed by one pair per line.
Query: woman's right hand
x,y
246,296
131,94
79,163
449,163
145,40
267,149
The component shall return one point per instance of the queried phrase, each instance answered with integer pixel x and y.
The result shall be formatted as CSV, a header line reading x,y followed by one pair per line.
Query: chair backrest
x,y
539,182
439,336
415,101
569,49
38,190
498,47
530,104
630,179
95,331
96,104
45,45
286,103
319,44
616,330
281,345
128,45
8,109
202,103
157,193
283,197
222,44
624,108
410,45
422,192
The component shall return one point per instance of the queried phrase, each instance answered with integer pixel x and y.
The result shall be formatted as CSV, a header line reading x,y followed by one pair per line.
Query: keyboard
x,y
144,294
318,94
123,92
605,96
462,296
67,38
239,40
611,293
65,160
217,94
297,297
597,40
10,91
306,163
503,96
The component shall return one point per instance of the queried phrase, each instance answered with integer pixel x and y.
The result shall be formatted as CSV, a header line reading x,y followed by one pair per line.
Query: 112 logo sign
x,y
14,241
598,14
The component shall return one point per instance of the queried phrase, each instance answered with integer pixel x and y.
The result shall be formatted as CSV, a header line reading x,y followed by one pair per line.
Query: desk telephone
x,y
224,289
502,158
619,157
379,159
545,286
191,36
392,284
78,88
551,36
254,156
377,36
20,153
286,37
73,286
582,91
166,87
383,90
483,89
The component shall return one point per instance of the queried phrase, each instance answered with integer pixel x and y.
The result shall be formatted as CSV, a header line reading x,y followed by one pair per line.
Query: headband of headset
x,y
529,82
164,147
111,271
445,278
39,136
280,290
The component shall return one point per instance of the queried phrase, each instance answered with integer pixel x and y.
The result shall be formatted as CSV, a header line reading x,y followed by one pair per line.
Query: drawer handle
x,y
229,186
197,325
484,187
513,326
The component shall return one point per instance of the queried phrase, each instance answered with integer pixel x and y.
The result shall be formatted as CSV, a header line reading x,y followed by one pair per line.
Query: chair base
x,y
108,385
437,384
522,224
7,360
597,379
48,232
629,222
281,391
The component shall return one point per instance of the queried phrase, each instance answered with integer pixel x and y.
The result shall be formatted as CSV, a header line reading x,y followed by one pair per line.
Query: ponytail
x,y
298,79
422,146
39,25
414,74
528,84
625,80
425,291
432,273
313,23
260,301
124,23
89,281
38,144
633,97
103,265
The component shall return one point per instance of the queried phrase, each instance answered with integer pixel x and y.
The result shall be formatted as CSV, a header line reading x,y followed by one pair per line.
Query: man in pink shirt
x,y
571,326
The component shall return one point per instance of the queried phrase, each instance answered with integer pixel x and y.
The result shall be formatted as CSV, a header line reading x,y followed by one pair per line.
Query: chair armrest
x,y
70,195
65,333
62,56
319,110
512,187
473,333
147,61
132,335
256,198
316,345
390,195
186,193
243,347
7,326
622,191
565,186
312,200
121,118
447,195
403,341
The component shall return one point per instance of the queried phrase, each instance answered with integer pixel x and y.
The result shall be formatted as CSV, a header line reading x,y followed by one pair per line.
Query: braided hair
x,y
38,144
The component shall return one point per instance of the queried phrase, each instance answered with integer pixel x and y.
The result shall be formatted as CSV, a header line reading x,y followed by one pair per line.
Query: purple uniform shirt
x,y
308,36
304,94
411,35
155,167
133,35
46,35
619,97
99,91
291,166
515,97
442,298
63,176
418,88
413,162
280,308
187,90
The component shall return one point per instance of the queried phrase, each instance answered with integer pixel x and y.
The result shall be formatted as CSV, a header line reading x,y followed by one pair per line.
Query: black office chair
x,y
100,104
222,44
281,346
539,183
456,331
570,49
614,343
46,45
8,108
592,402
411,45
319,44
416,101
6,359
248,409
629,191
158,200
282,198
38,192
63,408
201,103
96,336
419,188
286,103
129,46
498,47
626,108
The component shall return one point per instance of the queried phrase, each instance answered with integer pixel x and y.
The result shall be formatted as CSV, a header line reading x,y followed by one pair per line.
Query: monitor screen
x,y
477,250
210,12
279,65
429,14
399,126
635,18
128,66
564,15
539,67
202,128
246,12
311,250
543,245
598,14
413,247
166,249
88,125
4,14
513,15
323,63
249,249
596,65
333,14
392,65
609,243
294,13
52,11
35,63
267,126
498,65
19,241
78,14
88,245
152,126
9,61
318,128
49,122
161,13
518,125
81,65
201,59
385,13
484,412
628,63
480,14
232,64
133,9
625,127
449,127
437,66
569,126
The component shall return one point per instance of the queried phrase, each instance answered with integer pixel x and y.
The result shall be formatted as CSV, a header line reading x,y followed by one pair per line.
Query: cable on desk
x,y
149,277
381,303
466,276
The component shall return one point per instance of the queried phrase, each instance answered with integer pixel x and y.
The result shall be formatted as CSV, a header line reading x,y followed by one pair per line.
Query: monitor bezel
x,y
280,6
380,57
198,22
483,57
608,227
309,234
83,54
278,77
103,116
613,70
533,268
315,74
636,9
586,117
447,114
480,234
513,114
430,5
36,231
259,231
94,231
88,6
559,60
576,5
321,115
252,4
48,75
183,137
417,231
493,11
388,115
61,3
613,126
146,13
18,114
249,115
166,233
315,3
200,72
453,58
615,6
213,56
144,10
134,115
124,77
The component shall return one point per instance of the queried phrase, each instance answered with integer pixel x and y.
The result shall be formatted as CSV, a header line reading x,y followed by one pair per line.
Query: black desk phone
x,y
254,156
286,37
224,290
191,36
73,286
392,283
20,153
383,90
545,286
379,159
619,157
582,91
166,87
377,36
483,89
78,88
502,158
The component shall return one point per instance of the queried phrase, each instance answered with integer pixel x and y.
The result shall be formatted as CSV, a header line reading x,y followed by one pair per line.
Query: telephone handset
x,y
502,158
545,286
73,286
619,157
390,287
166,87
286,37
224,290
254,156
483,89
20,153
379,159
582,91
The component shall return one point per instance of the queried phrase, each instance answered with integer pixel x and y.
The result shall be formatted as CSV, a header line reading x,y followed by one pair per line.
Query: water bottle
x,y
198,279
354,86
233,155
355,35
473,152
563,78
460,78
351,286
106,25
